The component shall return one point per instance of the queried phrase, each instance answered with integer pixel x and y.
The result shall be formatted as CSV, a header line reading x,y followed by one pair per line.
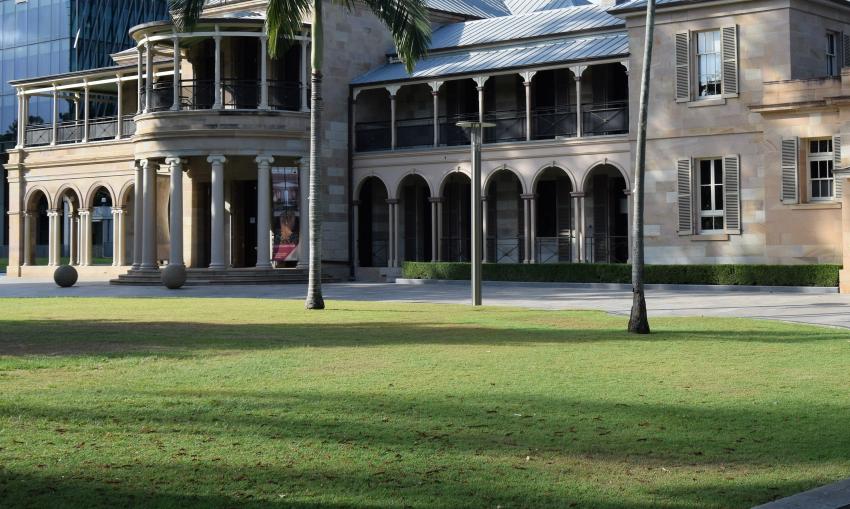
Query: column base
x,y
264,266
844,281
217,266
145,266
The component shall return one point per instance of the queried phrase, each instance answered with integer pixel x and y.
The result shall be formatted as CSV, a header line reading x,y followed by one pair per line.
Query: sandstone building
x,y
203,158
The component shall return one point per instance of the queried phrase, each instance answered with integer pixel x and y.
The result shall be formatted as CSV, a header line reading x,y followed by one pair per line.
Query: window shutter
x,y
838,183
683,67
686,215
790,171
845,50
732,193
729,39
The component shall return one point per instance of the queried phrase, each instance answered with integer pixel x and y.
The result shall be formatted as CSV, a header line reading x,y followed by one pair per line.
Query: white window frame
x,y
714,212
811,157
718,55
832,67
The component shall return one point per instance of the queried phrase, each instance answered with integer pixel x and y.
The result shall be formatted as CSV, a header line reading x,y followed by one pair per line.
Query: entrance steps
x,y
239,276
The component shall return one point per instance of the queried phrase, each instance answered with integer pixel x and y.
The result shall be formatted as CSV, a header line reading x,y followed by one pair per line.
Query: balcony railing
x,y
455,249
604,119
235,94
554,249
550,123
415,132
510,126
370,136
451,134
101,128
506,249
608,248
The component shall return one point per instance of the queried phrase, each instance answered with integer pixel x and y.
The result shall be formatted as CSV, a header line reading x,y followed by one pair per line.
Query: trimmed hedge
x,y
760,275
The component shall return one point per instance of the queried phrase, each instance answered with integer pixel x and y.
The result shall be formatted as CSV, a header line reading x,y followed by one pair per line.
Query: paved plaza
x,y
830,309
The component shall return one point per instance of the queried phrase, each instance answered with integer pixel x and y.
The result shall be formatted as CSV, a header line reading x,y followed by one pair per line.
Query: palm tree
x,y
639,321
407,21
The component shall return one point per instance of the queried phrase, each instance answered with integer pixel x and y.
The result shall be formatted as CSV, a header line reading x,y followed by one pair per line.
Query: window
x,y
709,63
710,195
831,54
820,161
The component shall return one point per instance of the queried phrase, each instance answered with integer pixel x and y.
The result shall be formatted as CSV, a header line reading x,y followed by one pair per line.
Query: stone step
x,y
240,276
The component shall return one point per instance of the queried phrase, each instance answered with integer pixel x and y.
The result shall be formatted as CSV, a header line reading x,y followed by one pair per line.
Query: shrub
x,y
761,275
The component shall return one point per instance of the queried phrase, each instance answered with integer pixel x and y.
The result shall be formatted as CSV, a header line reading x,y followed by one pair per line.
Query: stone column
x,y
86,110
217,79
21,120
175,103
435,230
53,241
29,221
479,82
396,236
393,90
577,72
578,219
119,127
138,216
140,84
485,229
264,211
217,261
355,211
175,219
73,237
305,100
391,237
526,225
54,129
264,79
85,237
439,229
532,206
149,78
149,241
526,81
435,94
118,236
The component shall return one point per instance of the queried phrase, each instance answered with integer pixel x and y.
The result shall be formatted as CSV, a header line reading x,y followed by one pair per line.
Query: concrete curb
x,y
831,496
626,287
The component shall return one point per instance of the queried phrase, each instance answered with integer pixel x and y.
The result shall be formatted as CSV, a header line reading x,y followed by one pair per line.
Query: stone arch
x,y
554,165
604,162
415,218
373,222
92,192
455,232
499,169
444,178
126,193
412,173
606,213
359,186
66,189
555,223
32,197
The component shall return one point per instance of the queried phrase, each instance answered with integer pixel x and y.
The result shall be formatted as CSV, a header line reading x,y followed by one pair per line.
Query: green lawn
x,y
249,403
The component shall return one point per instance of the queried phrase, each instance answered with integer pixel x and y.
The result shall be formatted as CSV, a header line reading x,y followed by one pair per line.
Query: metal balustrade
x,y
103,128
554,249
455,249
235,94
550,123
39,134
605,119
415,132
509,126
371,136
608,248
506,249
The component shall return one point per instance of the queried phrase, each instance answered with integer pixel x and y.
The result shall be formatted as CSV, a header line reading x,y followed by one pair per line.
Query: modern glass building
x,y
45,37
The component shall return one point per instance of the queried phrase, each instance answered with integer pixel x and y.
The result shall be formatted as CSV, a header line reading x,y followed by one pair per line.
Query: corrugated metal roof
x,y
475,8
524,6
523,26
630,5
573,49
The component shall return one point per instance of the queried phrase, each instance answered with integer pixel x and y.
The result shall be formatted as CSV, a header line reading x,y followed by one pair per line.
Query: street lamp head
x,y
474,125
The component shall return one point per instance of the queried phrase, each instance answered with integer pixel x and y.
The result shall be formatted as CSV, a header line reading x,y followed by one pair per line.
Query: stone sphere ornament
x,y
173,276
65,276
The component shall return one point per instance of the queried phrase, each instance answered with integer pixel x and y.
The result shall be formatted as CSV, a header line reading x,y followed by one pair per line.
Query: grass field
x,y
253,403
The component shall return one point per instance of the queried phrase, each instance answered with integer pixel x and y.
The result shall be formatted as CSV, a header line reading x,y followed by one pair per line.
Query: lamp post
x,y
476,131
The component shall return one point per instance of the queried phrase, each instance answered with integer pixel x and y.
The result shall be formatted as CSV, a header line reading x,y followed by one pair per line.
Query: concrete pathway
x,y
820,309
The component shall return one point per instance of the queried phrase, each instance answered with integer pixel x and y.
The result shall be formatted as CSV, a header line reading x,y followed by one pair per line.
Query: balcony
x,y
236,94
74,131
555,104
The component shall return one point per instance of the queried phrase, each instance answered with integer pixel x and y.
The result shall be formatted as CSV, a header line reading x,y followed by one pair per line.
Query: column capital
x,y
627,192
116,211
577,194
216,158
527,77
148,163
392,201
435,86
174,161
29,214
480,81
435,199
529,196
264,159
53,212
578,70
393,90
84,211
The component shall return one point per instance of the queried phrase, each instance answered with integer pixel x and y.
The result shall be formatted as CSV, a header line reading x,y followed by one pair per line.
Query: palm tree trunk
x,y
639,321
314,277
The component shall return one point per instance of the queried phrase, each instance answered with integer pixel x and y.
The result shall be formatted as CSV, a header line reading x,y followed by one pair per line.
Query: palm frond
x,y
408,23
185,13
284,21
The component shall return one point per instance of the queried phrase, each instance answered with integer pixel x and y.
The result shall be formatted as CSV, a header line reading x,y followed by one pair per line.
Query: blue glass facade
x,y
45,37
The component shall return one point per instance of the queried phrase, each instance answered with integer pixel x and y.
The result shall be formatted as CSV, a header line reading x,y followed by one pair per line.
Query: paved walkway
x,y
821,309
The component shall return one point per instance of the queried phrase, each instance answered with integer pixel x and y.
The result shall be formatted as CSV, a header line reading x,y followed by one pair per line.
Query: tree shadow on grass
x,y
110,338
472,449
